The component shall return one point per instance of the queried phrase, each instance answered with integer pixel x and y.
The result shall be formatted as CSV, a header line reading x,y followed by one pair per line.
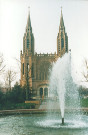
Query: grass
x,y
84,102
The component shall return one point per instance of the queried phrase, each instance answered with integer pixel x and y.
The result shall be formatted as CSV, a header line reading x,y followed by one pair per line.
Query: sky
x,y
45,20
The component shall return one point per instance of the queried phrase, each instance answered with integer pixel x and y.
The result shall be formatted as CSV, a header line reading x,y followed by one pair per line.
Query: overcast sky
x,y
45,20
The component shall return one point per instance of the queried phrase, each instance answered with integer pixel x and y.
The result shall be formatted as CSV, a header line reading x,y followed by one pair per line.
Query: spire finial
x,y
29,20
61,10
29,9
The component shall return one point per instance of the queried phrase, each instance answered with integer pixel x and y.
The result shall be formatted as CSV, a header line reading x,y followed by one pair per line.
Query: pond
x,y
40,124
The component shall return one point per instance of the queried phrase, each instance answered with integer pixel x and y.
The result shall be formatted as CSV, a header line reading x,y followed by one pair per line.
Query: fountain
x,y
62,86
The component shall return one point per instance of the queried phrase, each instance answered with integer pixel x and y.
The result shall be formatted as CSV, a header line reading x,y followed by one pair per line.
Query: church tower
x,y
26,56
62,38
28,39
35,68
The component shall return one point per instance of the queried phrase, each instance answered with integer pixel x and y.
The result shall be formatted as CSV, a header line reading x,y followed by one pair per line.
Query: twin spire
x,y
62,39
29,20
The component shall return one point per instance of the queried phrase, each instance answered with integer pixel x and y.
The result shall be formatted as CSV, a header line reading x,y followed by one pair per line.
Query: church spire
x,y
28,26
62,38
28,39
61,19
29,20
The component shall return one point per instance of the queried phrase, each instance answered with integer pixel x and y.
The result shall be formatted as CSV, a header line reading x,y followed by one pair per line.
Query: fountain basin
x,y
40,124
41,111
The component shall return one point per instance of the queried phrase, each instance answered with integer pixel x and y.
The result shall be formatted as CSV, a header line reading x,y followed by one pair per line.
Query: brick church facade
x,y
35,68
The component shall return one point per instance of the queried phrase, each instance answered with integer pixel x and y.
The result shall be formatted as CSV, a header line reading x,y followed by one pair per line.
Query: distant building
x,y
35,67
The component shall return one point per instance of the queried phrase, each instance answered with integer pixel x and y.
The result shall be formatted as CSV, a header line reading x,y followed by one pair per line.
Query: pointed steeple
x,y
28,26
28,39
62,38
61,19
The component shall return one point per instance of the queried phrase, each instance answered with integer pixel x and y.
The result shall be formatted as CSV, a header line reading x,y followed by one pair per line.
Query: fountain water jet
x,y
62,86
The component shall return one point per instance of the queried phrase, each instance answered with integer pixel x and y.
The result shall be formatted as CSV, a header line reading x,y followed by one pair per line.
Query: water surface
x,y
42,125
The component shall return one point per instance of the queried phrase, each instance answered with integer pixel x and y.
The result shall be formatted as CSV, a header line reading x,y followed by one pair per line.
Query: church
x,y
35,68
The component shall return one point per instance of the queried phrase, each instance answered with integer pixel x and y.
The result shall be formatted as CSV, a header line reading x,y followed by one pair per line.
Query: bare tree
x,y
10,76
27,85
85,72
2,69
2,66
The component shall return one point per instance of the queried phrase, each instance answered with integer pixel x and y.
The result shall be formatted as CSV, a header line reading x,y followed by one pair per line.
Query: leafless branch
x,y
85,72
1,64
10,76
